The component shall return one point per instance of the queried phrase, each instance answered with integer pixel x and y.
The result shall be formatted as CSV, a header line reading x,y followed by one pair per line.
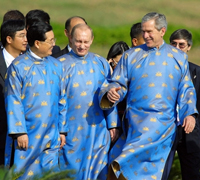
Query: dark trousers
x,y
190,162
2,155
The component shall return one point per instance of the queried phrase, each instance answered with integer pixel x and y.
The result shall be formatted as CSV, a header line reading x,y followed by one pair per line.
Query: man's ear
x,y
92,39
37,44
66,33
162,31
134,42
9,39
189,47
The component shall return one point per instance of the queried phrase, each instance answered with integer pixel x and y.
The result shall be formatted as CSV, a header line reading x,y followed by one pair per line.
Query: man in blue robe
x,y
155,77
90,128
35,105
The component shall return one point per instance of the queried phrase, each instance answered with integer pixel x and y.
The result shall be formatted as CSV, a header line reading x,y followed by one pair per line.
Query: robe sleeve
x,y
187,95
63,123
119,79
111,114
13,102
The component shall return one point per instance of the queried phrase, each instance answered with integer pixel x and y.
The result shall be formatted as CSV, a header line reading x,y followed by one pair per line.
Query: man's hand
x,y
114,134
22,141
112,94
62,140
189,124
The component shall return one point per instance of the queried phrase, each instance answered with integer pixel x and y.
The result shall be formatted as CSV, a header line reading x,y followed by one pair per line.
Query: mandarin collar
x,y
79,57
156,49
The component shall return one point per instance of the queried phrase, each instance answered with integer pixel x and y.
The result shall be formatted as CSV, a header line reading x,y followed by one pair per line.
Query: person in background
x,y
69,24
14,42
91,129
37,15
187,145
155,79
12,15
136,35
115,53
113,57
36,105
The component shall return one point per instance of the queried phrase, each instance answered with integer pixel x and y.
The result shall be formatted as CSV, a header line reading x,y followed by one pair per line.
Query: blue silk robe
x,y
35,104
155,81
88,139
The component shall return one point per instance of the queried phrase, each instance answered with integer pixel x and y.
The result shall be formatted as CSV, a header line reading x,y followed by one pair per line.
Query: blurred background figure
x,y
113,57
115,53
69,24
136,35
13,37
38,15
186,145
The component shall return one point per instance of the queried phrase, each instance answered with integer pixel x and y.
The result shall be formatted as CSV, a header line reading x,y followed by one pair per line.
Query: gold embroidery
x,y
165,63
44,103
158,74
26,68
30,173
151,85
38,136
19,123
44,124
85,115
75,85
170,55
40,81
133,61
83,93
138,66
176,67
146,129
88,82
38,115
151,63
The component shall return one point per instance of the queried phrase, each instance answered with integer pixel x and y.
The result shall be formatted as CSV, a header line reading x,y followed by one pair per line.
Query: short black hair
x,y
36,15
116,49
181,34
9,28
13,15
136,30
37,32
67,23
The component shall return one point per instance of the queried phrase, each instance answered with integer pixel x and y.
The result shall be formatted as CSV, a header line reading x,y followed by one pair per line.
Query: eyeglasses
x,y
114,63
51,42
180,45
22,36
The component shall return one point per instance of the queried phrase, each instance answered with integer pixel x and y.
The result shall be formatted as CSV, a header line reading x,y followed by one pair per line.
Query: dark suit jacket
x,y
55,49
60,53
193,139
3,120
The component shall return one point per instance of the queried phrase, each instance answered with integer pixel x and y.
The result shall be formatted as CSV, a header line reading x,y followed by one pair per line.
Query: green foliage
x,y
6,174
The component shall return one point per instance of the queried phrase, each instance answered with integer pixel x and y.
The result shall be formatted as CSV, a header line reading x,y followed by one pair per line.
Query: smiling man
x,y
13,37
35,105
91,129
155,78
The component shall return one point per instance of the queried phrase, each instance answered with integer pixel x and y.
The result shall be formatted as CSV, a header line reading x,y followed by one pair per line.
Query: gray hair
x,y
160,20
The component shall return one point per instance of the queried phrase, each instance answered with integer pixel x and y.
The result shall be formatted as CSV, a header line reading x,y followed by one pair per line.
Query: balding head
x,y
82,27
70,23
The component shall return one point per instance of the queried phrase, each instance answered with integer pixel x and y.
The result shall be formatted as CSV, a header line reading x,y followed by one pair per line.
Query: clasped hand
x,y
112,94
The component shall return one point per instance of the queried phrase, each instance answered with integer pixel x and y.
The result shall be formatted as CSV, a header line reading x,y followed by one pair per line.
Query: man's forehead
x,y
49,34
80,31
21,31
